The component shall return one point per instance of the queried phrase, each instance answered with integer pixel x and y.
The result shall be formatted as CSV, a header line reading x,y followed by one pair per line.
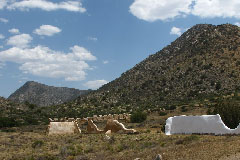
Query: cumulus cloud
x,y
20,41
237,24
2,36
176,31
95,84
13,31
216,8
25,5
152,10
44,62
47,30
3,20
3,3
82,53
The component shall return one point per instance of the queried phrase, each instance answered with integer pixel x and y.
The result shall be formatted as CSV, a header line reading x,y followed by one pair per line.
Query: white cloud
x,y
3,20
25,5
47,30
44,62
92,38
237,23
105,62
176,31
152,10
82,54
2,36
95,84
20,41
14,31
1,47
217,8
3,3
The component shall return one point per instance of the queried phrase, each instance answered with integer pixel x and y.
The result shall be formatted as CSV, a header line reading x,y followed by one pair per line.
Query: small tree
x,y
7,122
229,111
138,117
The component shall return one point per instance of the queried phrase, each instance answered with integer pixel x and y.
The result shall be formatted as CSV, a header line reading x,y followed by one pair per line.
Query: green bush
x,y
229,111
172,107
30,106
184,109
162,113
7,122
138,117
30,120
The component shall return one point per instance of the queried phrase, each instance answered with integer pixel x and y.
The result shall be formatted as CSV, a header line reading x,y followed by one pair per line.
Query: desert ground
x,y
33,143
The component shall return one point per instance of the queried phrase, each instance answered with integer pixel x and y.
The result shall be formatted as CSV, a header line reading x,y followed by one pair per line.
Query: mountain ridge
x,y
204,60
44,95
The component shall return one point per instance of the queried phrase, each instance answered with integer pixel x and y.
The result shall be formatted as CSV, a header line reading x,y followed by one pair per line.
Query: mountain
x,y
43,95
203,61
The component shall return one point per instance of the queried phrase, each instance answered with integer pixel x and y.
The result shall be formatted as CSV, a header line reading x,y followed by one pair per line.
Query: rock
x,y
108,132
107,137
159,157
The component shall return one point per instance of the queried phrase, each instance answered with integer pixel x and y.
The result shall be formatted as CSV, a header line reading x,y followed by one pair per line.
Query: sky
x,y
84,44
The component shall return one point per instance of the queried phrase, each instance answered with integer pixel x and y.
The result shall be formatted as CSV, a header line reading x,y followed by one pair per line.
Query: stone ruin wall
x,y
95,118
72,125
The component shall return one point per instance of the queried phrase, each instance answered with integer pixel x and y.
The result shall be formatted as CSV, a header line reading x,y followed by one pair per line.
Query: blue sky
x,y
86,43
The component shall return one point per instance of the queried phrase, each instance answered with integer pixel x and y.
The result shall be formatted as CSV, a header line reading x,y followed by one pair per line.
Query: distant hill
x,y
17,114
14,114
7,107
203,61
43,95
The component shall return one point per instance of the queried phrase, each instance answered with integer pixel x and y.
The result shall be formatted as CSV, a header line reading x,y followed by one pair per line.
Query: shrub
x,y
218,86
7,122
229,111
37,144
138,117
163,128
162,113
170,107
184,109
30,120
30,106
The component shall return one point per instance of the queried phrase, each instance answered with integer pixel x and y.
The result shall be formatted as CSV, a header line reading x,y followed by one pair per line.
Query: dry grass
x,y
32,143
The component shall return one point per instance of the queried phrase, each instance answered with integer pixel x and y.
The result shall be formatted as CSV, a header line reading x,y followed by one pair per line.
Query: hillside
x,y
204,61
14,114
43,95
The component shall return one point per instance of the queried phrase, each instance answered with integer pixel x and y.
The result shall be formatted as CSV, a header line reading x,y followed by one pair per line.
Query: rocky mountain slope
x,y
43,95
204,61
